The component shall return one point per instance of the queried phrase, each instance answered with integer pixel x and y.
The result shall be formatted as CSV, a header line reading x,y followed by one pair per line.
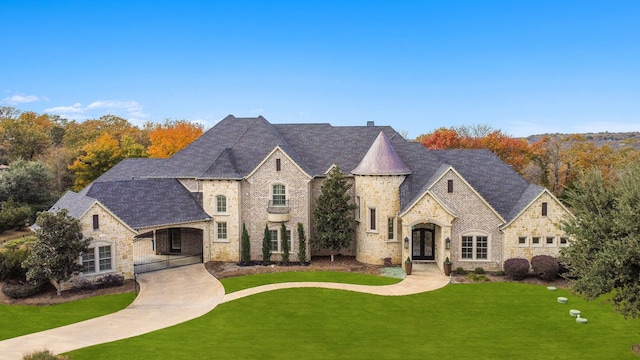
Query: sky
x,y
523,67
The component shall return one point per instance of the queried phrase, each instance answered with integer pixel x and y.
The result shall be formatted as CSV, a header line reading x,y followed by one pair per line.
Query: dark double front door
x,y
423,244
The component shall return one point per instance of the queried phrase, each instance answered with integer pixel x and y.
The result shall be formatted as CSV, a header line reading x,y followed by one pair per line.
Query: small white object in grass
x,y
552,288
574,313
581,320
562,300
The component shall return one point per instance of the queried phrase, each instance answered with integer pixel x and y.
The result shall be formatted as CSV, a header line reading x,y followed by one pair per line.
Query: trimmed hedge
x,y
545,266
516,268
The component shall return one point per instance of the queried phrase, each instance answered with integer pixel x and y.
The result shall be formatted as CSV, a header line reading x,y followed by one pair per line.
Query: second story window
x,y
96,222
278,195
221,204
278,165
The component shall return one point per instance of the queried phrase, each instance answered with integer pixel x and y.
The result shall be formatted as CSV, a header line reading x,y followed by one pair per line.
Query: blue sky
x,y
525,67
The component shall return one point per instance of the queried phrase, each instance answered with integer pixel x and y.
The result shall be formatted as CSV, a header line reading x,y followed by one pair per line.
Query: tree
x,y
266,246
284,244
13,216
171,137
604,252
334,214
302,245
97,158
27,136
27,182
245,246
55,252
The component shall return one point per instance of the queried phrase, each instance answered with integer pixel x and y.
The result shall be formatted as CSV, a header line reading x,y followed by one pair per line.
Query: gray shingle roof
x,y
76,204
234,147
148,202
381,159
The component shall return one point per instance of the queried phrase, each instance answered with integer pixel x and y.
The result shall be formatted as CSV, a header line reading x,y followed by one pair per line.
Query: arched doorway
x,y
423,242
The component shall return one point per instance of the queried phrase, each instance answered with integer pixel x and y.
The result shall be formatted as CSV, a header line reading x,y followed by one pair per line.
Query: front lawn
x,y
467,321
244,282
19,320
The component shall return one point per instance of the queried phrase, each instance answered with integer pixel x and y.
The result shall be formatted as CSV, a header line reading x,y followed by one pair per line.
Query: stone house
x,y
411,202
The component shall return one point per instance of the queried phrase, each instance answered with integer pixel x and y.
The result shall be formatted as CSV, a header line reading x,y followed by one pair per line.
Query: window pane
x,y
372,219
467,247
522,240
221,204
104,255
88,261
482,246
279,196
222,230
391,227
274,240
288,234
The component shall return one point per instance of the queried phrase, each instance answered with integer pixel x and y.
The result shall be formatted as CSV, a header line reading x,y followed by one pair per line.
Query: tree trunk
x,y
56,284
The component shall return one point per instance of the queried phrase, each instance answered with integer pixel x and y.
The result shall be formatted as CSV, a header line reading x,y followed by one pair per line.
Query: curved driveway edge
x,y
166,298
424,278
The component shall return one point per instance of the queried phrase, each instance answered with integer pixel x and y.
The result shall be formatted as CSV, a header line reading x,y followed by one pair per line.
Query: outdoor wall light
x,y
447,243
406,242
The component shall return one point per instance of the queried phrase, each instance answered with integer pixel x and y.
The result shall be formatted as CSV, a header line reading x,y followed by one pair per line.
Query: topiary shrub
x,y
516,268
21,291
479,271
545,266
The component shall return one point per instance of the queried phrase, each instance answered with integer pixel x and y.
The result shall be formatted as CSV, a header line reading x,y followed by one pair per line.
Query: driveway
x,y
166,298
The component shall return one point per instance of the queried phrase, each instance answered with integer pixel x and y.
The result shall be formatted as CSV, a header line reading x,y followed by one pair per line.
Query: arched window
x,y
221,204
279,195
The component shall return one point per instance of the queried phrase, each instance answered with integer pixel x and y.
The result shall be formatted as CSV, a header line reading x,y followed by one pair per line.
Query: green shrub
x,y
13,216
479,271
11,259
44,355
245,246
22,290
477,277
302,245
111,280
545,266
516,268
499,273
460,271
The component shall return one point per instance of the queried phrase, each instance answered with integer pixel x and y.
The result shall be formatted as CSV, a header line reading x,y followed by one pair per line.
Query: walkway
x,y
172,296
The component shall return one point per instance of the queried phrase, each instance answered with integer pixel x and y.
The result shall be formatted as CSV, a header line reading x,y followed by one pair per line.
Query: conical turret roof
x,y
381,159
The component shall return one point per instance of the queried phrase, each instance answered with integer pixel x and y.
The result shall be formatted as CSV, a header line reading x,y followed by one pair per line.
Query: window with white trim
x,y
372,219
221,204
104,256
221,231
475,247
550,241
535,241
279,195
391,228
564,241
522,241
276,243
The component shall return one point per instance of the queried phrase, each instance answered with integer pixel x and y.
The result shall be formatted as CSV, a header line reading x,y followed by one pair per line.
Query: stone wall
x,y
382,194
114,232
532,224
256,194
223,249
473,217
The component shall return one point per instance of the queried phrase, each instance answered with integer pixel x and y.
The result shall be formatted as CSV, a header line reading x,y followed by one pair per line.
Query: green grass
x,y
469,321
19,320
244,282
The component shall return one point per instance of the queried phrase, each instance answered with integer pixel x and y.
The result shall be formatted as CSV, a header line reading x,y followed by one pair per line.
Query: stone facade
x,y
519,236
379,204
257,192
220,247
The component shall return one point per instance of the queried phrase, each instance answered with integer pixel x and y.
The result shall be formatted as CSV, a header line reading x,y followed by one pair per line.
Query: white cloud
x,y
73,109
20,99
131,110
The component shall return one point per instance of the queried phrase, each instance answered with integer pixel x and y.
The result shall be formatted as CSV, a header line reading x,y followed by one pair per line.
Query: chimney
x,y
371,123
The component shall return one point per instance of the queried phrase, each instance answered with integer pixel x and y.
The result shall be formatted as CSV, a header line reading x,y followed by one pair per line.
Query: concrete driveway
x,y
166,298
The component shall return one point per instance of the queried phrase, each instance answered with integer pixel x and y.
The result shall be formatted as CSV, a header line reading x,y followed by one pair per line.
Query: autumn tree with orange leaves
x,y
171,137
514,151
